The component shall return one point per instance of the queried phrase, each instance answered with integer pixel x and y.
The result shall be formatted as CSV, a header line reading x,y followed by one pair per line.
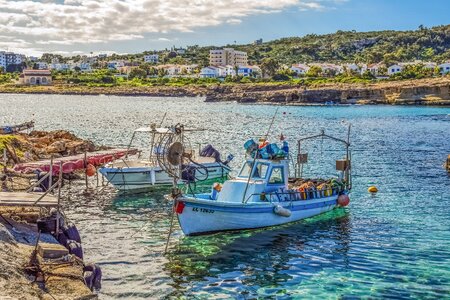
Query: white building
x,y
178,70
328,68
83,66
444,68
10,58
115,64
246,71
299,69
3,60
227,56
59,67
429,65
375,68
41,65
180,51
352,67
152,58
394,69
35,77
209,72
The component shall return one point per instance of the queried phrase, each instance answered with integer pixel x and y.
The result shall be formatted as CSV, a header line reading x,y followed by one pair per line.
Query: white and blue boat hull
x,y
140,178
200,216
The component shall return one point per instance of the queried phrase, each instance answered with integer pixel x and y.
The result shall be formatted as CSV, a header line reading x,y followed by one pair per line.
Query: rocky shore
x,y
27,270
412,92
24,147
430,91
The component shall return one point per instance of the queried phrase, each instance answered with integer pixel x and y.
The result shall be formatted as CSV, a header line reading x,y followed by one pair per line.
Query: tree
x,y
269,67
137,73
314,71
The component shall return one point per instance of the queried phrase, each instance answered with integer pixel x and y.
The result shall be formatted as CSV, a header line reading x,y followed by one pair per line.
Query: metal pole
x,y
50,178
59,199
256,155
162,121
347,156
85,169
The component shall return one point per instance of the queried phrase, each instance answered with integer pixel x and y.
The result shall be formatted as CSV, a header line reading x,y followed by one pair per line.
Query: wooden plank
x,y
27,199
47,250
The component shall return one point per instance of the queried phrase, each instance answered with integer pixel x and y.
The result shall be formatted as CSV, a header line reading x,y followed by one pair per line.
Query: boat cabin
x,y
256,177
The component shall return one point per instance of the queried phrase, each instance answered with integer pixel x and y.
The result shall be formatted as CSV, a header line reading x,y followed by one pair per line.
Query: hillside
x,y
346,46
365,47
430,44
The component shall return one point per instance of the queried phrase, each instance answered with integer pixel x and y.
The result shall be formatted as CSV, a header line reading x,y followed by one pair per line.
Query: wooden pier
x,y
23,199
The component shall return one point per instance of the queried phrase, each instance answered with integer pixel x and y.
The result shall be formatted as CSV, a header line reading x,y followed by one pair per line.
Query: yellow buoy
x,y
372,189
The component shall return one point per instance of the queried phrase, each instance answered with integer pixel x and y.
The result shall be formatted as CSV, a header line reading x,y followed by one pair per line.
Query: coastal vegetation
x,y
274,59
388,46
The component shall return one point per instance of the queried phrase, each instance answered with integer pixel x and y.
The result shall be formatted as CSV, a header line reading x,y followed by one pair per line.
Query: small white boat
x,y
263,195
140,174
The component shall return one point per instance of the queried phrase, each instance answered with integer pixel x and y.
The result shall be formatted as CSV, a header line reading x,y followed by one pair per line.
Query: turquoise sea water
x,y
393,245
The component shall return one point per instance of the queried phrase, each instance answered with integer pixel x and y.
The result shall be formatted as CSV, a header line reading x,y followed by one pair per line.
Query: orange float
x,y
90,170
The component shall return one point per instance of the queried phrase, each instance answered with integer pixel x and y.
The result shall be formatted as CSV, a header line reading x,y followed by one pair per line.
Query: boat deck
x,y
23,199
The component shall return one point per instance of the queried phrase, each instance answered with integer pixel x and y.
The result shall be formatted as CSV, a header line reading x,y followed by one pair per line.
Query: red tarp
x,y
74,163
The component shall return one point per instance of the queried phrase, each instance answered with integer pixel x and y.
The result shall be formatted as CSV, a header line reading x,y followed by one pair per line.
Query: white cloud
x,y
311,6
70,22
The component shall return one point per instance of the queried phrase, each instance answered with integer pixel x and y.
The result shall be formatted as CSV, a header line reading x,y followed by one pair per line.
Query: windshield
x,y
259,172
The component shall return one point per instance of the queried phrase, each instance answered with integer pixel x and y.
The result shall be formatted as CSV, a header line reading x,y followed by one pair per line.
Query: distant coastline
x,y
431,91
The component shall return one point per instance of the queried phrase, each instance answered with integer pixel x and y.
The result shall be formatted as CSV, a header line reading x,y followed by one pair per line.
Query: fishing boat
x,y
264,194
136,174
11,129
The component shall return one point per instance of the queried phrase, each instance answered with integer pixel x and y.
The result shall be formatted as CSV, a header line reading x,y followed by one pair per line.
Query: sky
x,y
70,27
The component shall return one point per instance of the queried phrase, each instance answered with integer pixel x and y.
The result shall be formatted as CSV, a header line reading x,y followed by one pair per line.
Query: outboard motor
x,y
229,158
210,151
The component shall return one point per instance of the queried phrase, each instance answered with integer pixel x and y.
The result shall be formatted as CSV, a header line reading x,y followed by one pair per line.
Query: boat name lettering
x,y
204,210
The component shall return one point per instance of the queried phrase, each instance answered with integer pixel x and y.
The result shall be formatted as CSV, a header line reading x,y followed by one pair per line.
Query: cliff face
x,y
426,92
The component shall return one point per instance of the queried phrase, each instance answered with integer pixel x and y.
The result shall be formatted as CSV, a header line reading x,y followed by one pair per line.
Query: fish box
x,y
342,165
46,250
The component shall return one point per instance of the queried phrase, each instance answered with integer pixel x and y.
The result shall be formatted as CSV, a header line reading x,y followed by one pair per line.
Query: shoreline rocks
x,y
414,92
22,147
430,91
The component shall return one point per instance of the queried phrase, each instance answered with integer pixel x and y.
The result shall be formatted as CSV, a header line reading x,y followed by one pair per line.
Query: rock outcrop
x,y
43,144
413,92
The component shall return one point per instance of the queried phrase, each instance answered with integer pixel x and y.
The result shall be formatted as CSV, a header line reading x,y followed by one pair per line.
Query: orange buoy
x,y
343,200
90,170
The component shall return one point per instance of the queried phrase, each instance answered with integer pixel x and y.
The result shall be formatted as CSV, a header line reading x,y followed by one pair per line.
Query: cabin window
x,y
259,172
277,176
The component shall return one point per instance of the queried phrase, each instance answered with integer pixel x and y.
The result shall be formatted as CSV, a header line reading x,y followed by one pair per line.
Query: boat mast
x,y
256,155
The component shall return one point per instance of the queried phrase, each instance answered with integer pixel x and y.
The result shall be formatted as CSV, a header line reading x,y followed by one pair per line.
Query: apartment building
x,y
227,56
10,58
